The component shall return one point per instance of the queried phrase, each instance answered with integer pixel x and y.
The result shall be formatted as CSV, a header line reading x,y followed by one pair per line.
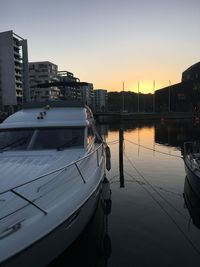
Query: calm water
x,y
149,224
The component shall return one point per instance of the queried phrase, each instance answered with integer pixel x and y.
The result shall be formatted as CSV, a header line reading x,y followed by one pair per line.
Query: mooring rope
x,y
158,151
154,189
158,187
114,142
163,209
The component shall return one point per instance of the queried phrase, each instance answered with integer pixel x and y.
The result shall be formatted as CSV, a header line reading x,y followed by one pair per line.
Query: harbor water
x,y
148,223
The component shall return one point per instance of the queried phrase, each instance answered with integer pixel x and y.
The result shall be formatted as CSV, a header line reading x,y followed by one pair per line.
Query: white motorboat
x,y
192,202
52,163
192,164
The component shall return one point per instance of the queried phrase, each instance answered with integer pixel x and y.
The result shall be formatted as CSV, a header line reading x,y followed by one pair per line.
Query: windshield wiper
x,y
15,143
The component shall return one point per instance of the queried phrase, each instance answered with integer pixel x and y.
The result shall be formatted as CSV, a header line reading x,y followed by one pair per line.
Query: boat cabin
x,y
42,126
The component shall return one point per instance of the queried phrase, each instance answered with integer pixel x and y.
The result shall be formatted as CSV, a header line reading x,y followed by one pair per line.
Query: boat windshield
x,y
41,138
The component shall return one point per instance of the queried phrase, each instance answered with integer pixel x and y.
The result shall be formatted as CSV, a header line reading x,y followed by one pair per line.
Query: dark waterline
x,y
149,223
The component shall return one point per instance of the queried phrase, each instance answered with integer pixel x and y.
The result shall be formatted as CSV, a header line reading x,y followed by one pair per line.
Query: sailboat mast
x,y
123,98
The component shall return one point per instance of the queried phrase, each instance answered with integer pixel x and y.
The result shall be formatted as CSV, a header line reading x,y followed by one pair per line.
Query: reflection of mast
x,y
154,145
121,160
168,137
138,142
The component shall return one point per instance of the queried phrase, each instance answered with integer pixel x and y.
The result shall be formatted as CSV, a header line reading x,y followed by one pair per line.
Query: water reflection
x,y
175,133
148,216
93,247
151,206
169,133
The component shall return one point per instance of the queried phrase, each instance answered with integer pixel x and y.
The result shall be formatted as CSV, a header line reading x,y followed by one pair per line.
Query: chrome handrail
x,y
191,147
52,172
47,174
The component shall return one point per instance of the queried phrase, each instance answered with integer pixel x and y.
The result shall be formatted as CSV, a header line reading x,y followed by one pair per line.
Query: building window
x,y
43,76
40,66
31,67
181,96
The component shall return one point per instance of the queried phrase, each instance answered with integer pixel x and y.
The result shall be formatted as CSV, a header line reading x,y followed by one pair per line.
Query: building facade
x,y
192,74
87,94
100,100
68,90
183,96
14,81
43,72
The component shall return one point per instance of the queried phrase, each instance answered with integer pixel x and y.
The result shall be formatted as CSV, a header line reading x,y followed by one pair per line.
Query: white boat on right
x,y
192,164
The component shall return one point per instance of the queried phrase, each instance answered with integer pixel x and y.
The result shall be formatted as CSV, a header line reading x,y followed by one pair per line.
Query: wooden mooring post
x,y
121,160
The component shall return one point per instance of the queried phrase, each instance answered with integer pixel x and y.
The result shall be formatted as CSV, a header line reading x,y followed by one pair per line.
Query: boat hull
x,y
53,244
193,178
192,202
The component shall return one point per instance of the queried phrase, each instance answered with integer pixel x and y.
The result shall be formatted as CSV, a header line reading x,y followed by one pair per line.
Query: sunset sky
x,y
108,42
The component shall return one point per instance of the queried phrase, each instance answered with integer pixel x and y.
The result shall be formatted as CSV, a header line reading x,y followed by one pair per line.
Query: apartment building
x,y
14,81
87,94
68,87
100,100
40,74
183,96
192,74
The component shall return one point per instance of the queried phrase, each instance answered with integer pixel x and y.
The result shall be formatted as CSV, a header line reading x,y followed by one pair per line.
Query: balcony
x,y
18,67
18,81
18,87
16,52
19,94
16,46
17,60
18,75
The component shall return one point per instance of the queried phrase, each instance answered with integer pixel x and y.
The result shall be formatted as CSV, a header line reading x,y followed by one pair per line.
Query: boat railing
x,y
76,163
191,147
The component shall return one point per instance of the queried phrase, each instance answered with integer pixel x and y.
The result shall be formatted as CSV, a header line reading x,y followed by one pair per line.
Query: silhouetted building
x,y
87,94
192,74
130,101
68,91
173,98
183,96
100,100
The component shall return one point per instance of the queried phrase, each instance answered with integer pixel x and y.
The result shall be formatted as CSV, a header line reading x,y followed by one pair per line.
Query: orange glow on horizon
x,y
145,82
145,87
